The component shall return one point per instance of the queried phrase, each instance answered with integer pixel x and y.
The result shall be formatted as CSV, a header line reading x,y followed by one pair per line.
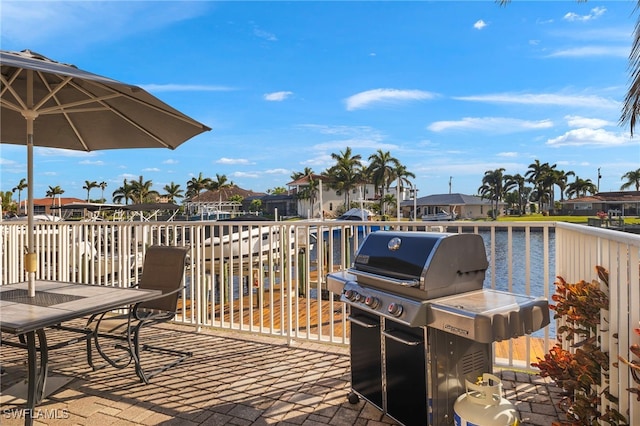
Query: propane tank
x,y
483,405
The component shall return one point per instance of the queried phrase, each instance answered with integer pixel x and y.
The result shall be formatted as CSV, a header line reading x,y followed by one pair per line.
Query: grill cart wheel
x,y
353,398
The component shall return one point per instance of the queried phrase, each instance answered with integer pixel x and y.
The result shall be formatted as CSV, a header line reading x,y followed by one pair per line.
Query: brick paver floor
x,y
232,379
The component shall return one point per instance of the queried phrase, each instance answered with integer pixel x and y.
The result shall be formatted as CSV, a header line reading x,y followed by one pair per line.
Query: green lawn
x,y
570,219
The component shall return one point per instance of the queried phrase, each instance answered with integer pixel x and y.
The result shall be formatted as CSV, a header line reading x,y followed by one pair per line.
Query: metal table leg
x,y
37,375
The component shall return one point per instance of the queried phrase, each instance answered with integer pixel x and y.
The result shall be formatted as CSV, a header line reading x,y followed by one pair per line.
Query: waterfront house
x,y
617,203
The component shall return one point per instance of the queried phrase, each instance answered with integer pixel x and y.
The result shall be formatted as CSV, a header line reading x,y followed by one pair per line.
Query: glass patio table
x,y
54,303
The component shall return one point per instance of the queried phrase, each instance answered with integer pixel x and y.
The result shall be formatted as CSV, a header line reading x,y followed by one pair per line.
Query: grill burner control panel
x,y
406,311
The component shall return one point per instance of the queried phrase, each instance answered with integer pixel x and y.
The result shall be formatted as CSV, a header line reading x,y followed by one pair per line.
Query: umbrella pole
x,y
31,260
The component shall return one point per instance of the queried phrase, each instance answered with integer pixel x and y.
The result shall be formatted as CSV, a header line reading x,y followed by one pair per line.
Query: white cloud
x,y
225,160
591,123
278,172
253,175
589,51
480,24
277,96
170,161
490,124
264,35
508,154
587,101
589,137
369,97
56,152
151,169
595,13
92,163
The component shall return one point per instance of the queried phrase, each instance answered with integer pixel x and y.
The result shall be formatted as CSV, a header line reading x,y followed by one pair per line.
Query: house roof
x,y
224,194
49,201
304,180
608,197
455,199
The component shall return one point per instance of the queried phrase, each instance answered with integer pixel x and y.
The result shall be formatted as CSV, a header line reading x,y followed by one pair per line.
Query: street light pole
x,y
414,191
599,176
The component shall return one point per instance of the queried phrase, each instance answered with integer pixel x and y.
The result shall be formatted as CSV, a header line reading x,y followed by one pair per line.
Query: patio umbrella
x,y
65,107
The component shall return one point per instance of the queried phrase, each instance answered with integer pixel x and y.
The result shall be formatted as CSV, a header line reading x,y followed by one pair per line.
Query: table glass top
x,y
42,298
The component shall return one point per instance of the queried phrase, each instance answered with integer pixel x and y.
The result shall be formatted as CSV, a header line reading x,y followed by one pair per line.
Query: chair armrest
x,y
160,296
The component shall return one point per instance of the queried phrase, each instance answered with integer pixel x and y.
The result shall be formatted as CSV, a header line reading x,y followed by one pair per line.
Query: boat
x,y
250,243
356,214
441,216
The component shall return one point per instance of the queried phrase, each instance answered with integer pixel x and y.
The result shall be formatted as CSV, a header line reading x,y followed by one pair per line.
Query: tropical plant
x,y
541,175
580,188
21,186
256,205
53,192
306,172
346,174
382,167
89,185
633,180
103,186
579,372
7,201
492,189
220,182
142,192
196,185
124,193
172,191
516,182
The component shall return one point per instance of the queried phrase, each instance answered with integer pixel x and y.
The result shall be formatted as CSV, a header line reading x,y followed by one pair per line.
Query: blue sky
x,y
452,89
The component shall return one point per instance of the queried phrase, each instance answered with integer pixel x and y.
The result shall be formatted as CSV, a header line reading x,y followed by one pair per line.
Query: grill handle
x,y
396,335
366,324
403,283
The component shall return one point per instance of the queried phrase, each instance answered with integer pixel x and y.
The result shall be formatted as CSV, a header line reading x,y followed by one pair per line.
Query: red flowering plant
x,y
579,372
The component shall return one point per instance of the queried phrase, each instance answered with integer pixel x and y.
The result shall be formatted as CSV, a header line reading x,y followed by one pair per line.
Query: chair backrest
x,y
163,270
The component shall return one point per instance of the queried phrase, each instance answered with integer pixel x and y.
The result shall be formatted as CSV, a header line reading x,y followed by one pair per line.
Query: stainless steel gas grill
x,y
421,321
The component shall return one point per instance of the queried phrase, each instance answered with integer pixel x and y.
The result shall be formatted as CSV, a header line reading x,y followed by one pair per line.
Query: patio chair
x,y
163,270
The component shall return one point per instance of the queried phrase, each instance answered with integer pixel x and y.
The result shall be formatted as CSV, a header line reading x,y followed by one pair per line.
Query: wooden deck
x,y
251,313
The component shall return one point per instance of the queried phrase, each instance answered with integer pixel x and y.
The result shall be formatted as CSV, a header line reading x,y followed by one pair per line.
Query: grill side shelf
x,y
488,315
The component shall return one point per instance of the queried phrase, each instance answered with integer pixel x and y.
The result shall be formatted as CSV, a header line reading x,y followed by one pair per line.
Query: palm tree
x,y
220,182
7,201
196,185
103,186
562,180
346,173
389,200
541,176
125,192
306,172
89,185
492,188
53,192
142,192
580,188
516,181
633,179
21,186
403,175
172,191
382,167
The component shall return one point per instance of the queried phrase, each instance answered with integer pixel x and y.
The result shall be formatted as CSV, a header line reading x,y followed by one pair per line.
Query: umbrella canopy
x,y
51,104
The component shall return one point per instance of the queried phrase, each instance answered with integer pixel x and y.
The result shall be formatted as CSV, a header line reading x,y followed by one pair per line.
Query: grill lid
x,y
436,263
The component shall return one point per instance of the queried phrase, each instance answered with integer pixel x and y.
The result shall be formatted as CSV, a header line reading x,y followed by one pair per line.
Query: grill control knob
x,y
350,294
395,309
372,302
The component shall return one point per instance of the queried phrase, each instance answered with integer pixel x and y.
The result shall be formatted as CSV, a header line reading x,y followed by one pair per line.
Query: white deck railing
x,y
271,281
579,250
